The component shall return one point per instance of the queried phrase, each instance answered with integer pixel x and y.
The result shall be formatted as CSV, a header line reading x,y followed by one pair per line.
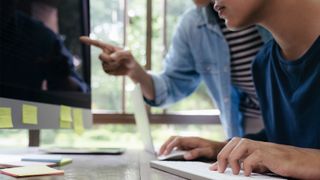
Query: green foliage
x,y
115,135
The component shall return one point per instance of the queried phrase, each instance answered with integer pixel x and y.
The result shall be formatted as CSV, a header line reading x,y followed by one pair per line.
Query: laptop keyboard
x,y
200,170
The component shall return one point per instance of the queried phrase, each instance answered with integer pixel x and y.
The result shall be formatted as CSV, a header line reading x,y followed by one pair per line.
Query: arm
x,y
284,160
119,62
178,79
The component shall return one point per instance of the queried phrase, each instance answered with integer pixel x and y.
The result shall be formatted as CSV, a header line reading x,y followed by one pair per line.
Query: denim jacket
x,y
199,52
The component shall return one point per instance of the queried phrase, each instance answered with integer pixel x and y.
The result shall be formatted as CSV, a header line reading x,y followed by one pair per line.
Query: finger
x,y
214,167
198,152
224,154
105,47
239,152
104,57
110,67
174,143
253,160
164,146
122,55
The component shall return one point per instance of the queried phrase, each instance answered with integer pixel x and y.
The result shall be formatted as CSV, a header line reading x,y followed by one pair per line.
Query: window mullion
x,y
149,35
125,24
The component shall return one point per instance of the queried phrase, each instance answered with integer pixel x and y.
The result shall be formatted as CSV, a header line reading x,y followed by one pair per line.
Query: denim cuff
x,y
160,89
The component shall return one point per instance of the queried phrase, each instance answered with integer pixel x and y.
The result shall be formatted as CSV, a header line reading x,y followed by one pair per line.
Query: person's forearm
x,y
309,162
145,80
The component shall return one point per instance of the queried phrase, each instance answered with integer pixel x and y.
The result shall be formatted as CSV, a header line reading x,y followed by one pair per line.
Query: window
x,y
124,23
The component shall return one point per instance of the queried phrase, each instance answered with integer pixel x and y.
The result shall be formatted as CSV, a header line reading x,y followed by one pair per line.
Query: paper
x,y
18,163
42,158
65,116
65,161
9,160
29,114
142,119
78,121
31,171
5,118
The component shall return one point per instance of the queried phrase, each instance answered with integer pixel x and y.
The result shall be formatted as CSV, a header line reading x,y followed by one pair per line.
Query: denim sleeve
x,y
179,77
260,136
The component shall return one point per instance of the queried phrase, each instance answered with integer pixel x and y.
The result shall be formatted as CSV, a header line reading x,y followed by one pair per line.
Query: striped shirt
x,y
244,45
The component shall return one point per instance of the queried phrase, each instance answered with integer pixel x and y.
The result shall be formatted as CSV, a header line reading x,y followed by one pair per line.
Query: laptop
x,y
200,171
143,127
194,170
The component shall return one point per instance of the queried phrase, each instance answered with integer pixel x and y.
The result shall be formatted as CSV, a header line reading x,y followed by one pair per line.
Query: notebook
x,y
8,161
58,160
200,171
143,126
31,171
18,163
95,151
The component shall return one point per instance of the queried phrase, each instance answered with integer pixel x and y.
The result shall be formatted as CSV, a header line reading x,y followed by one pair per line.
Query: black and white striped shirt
x,y
244,45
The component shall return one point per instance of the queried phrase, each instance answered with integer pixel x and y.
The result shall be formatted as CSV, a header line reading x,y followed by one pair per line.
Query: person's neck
x,y
294,25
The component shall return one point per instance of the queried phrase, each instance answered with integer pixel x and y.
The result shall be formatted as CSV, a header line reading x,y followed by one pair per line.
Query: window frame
x,y
104,117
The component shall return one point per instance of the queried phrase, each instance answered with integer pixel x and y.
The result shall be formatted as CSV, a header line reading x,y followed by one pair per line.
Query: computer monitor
x,y
42,62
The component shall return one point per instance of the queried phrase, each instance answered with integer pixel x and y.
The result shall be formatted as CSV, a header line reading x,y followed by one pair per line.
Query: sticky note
x,y
5,118
65,117
78,121
64,124
65,113
29,114
31,171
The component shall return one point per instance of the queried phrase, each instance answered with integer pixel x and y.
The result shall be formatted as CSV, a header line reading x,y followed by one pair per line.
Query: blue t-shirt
x,y
289,95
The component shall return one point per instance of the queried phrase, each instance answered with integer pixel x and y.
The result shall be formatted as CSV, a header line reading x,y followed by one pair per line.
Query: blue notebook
x,y
59,160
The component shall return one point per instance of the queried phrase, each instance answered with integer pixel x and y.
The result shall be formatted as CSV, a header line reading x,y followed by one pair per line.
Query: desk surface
x,y
132,165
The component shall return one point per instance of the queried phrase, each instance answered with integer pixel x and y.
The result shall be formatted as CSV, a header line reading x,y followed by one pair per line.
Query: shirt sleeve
x,y
179,77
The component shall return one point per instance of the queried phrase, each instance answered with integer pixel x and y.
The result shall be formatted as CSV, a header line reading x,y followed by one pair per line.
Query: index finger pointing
x,y
97,43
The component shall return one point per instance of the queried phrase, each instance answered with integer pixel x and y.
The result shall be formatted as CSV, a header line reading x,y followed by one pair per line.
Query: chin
x,y
236,26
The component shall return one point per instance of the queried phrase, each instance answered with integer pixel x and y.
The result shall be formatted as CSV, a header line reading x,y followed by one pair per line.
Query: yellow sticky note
x,y
65,113
31,171
5,118
29,114
65,124
65,117
78,121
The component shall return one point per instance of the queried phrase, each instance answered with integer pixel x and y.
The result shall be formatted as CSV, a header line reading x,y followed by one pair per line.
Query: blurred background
x,y
126,23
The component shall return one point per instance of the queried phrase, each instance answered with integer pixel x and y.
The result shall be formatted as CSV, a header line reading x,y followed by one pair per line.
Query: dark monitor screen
x,y
41,58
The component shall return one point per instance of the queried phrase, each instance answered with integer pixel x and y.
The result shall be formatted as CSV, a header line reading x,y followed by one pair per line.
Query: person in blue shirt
x,y
287,77
202,50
